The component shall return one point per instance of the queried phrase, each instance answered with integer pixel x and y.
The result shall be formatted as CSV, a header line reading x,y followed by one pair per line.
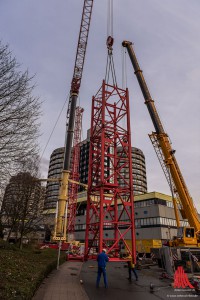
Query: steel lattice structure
x,y
81,51
110,206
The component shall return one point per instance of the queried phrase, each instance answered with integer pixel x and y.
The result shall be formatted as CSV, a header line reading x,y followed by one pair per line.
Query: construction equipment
x,y
110,205
61,215
143,247
73,187
186,236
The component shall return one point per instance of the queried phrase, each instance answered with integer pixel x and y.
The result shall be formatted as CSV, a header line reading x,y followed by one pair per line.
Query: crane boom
x,y
163,142
77,76
74,175
60,224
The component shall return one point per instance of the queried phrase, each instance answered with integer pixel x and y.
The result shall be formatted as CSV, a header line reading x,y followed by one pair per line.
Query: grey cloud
x,y
43,36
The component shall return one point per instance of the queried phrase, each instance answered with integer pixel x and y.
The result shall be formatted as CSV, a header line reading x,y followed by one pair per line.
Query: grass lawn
x,y
22,271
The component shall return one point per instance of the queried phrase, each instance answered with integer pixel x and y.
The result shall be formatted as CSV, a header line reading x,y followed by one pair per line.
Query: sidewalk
x,y
63,284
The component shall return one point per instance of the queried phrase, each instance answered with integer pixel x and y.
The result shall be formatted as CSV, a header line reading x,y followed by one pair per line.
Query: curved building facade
x,y
138,171
55,169
56,165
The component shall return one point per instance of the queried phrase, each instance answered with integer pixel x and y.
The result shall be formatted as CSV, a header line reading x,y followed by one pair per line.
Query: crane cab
x,y
186,237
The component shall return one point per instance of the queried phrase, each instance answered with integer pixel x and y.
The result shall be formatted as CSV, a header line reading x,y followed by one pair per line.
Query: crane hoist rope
x,y
110,18
53,129
124,68
110,67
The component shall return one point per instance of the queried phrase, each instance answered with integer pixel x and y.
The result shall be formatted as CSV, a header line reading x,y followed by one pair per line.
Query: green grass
x,y
22,271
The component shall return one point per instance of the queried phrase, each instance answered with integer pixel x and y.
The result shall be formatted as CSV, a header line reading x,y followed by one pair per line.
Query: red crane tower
x,y
110,206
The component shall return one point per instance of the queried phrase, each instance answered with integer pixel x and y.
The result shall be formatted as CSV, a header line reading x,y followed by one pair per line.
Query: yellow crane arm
x,y
161,141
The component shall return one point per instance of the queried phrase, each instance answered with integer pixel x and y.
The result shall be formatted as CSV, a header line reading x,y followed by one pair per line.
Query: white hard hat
x,y
104,250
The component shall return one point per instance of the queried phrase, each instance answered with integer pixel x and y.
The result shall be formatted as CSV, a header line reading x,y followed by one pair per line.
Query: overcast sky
x,y
43,34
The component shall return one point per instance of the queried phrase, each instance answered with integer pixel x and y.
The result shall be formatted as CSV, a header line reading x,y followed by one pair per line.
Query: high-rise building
x,y
138,171
22,206
55,169
56,164
84,160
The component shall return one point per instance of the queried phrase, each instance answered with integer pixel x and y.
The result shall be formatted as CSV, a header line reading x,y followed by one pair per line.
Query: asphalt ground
x,y
119,287
77,281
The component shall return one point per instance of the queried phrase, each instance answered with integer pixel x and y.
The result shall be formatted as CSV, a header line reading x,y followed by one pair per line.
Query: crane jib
x,y
145,91
162,146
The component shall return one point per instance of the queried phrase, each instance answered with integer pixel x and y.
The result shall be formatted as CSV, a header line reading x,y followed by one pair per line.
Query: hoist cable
x,y
110,18
122,57
124,69
113,71
110,69
54,128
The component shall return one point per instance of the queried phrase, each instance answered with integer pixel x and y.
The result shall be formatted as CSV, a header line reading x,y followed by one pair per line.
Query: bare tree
x,y
22,205
19,113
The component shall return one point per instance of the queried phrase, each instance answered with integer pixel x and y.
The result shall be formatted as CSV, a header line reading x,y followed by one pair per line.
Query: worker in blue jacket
x,y
102,259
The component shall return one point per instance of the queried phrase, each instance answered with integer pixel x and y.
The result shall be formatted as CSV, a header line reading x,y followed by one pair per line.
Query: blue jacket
x,y
102,259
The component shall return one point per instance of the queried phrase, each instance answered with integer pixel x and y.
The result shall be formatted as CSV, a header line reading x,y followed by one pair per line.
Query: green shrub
x,y
22,271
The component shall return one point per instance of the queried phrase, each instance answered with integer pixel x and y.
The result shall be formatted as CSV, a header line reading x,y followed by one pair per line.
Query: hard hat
x,y
104,250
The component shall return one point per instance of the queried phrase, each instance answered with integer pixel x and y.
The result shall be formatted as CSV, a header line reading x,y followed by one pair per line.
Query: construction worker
x,y
102,259
131,267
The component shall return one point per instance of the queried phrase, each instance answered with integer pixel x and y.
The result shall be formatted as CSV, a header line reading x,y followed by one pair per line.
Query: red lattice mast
x,y
74,174
110,207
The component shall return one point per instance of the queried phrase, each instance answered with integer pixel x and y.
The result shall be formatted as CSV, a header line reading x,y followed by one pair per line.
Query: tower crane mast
x,y
187,236
61,218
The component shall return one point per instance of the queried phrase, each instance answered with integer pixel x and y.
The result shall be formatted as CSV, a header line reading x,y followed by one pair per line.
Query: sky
x,y
43,36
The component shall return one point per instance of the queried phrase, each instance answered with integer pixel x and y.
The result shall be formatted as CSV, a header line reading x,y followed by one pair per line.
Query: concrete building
x,y
84,160
56,165
138,171
154,217
52,189
154,212
22,207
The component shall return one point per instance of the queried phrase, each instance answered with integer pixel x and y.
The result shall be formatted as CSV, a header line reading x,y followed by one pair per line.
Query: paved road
x,y
65,284
121,289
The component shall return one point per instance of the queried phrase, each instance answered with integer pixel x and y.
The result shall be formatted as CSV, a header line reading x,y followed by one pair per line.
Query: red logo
x,y
181,279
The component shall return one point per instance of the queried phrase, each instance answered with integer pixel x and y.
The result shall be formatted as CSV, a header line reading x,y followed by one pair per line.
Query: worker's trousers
x,y
134,271
100,271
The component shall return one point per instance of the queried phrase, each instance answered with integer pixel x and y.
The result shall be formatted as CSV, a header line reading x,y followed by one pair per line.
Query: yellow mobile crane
x,y
61,215
186,236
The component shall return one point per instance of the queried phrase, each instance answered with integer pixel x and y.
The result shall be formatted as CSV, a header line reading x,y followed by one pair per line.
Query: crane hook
x,y
110,42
